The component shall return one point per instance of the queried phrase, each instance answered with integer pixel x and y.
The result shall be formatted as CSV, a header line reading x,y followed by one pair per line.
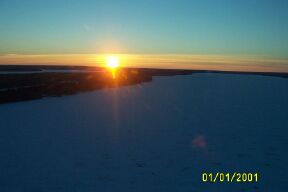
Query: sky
x,y
196,27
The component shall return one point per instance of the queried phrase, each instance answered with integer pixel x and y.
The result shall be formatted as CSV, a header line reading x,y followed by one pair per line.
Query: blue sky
x,y
224,27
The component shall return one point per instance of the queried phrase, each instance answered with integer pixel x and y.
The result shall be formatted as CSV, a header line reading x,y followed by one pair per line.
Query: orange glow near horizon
x,y
171,61
112,63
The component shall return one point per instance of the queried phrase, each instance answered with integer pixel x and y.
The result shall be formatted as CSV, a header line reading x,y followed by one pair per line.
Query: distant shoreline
x,y
65,68
22,83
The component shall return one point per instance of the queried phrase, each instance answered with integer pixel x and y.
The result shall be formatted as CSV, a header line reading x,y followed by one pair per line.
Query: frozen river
x,y
158,136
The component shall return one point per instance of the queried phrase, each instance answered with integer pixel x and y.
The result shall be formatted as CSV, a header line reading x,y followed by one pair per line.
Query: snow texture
x,y
158,136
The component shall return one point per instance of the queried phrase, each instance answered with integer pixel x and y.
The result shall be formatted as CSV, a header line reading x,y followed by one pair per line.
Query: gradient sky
x,y
224,27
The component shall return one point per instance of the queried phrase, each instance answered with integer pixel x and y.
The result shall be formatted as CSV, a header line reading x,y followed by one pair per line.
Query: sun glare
x,y
112,61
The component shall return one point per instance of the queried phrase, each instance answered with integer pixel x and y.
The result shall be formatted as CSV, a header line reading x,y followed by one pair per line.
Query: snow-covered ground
x,y
153,137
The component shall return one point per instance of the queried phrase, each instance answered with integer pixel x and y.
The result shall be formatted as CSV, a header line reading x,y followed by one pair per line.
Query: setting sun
x,y
112,61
